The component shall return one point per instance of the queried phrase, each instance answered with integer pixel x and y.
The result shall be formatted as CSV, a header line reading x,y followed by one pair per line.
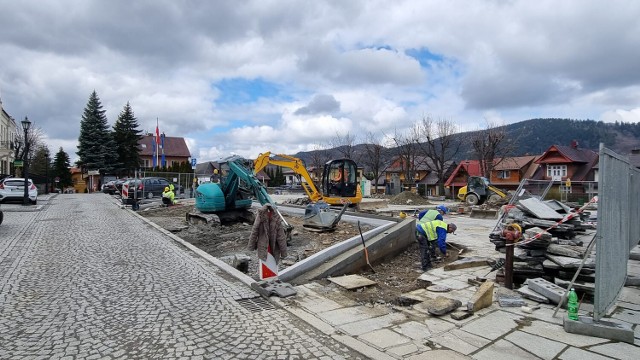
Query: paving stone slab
x,y
573,353
630,295
403,350
620,350
466,263
376,323
556,332
629,316
453,284
493,325
503,350
460,341
350,314
531,295
439,355
413,329
539,346
384,338
352,282
437,326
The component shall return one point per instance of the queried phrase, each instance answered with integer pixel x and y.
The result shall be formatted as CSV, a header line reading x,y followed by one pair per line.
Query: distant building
x,y
175,151
8,129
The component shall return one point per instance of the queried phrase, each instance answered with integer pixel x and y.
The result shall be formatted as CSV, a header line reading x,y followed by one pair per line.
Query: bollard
x,y
508,266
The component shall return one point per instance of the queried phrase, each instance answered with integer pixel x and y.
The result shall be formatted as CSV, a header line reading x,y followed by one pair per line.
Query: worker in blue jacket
x,y
433,214
429,234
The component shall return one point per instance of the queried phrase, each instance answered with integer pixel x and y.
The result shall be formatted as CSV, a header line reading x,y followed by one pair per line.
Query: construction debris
x,y
352,282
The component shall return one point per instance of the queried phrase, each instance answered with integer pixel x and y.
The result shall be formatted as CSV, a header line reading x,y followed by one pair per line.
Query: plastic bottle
x,y
572,305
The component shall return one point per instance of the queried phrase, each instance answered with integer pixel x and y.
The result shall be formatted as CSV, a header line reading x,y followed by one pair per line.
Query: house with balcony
x,y
8,129
574,168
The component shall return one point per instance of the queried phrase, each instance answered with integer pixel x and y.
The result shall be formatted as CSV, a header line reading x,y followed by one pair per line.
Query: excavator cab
x,y
339,179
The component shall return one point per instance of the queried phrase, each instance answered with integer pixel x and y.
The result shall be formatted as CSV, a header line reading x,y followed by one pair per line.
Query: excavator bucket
x,y
321,217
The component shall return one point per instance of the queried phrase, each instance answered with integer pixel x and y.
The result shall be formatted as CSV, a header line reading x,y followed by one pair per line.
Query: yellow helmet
x,y
402,215
166,188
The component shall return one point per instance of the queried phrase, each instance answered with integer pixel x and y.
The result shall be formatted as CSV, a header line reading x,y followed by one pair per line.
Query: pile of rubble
x,y
408,198
545,247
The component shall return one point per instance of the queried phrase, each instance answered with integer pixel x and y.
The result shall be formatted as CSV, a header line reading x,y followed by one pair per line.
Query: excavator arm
x,y
254,185
292,163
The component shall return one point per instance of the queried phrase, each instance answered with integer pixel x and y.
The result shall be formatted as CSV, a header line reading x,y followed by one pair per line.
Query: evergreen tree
x,y
40,164
61,169
96,148
127,135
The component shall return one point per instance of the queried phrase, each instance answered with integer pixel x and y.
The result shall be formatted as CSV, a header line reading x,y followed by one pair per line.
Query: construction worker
x,y
168,197
433,214
429,234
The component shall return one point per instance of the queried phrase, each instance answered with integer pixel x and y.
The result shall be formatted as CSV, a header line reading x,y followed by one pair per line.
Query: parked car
x,y
12,189
109,187
149,187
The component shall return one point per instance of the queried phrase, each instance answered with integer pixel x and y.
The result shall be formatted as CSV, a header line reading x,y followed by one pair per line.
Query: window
x,y
504,174
556,171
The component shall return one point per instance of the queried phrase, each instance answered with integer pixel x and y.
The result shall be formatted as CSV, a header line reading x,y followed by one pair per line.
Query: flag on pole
x,y
156,152
164,161
154,158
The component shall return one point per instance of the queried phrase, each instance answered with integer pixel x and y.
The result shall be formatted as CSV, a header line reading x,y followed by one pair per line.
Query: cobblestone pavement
x,y
83,279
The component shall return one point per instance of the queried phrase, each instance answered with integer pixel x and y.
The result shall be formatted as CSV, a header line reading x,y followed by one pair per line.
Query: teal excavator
x,y
231,197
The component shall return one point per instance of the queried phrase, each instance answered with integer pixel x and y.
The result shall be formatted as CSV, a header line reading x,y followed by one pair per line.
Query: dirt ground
x,y
393,277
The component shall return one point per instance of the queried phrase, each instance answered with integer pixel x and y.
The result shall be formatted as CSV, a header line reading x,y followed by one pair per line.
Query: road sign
x,y
193,162
57,179
17,163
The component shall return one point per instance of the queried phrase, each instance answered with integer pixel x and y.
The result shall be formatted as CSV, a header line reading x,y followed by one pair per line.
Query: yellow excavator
x,y
339,178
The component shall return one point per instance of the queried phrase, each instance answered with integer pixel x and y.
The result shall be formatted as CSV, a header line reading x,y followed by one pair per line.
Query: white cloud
x,y
508,60
627,116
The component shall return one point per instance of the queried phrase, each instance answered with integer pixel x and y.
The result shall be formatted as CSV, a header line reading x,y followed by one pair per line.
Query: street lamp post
x,y
25,125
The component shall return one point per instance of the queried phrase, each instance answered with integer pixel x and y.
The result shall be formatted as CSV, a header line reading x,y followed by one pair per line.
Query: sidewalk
x,y
81,278
384,331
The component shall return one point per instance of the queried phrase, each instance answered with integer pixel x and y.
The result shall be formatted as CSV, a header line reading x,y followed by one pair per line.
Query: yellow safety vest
x,y
430,227
429,216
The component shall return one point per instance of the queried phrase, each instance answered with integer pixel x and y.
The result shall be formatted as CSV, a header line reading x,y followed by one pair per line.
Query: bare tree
x,y
407,147
34,136
344,144
374,158
438,143
319,156
491,147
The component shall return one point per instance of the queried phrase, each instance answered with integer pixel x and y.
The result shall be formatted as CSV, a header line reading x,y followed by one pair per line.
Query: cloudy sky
x,y
245,77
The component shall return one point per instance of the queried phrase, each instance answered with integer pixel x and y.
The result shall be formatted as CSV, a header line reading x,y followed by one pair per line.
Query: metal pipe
x,y
508,266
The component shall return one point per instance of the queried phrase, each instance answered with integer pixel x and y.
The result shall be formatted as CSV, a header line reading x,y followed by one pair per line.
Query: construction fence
x,y
618,226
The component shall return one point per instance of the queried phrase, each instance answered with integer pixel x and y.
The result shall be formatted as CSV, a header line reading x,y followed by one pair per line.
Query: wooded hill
x,y
533,137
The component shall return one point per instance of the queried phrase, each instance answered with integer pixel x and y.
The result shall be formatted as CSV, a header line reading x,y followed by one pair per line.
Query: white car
x,y
12,189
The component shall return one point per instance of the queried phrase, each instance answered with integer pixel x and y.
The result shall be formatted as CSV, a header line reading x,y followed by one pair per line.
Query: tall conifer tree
x,y
127,135
61,169
96,147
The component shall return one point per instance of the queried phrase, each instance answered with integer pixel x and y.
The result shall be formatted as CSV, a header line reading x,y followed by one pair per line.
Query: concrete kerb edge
x,y
308,318
247,280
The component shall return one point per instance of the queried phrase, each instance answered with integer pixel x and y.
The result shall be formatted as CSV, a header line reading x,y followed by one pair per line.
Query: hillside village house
x,y
509,172
423,178
8,129
579,166
460,174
